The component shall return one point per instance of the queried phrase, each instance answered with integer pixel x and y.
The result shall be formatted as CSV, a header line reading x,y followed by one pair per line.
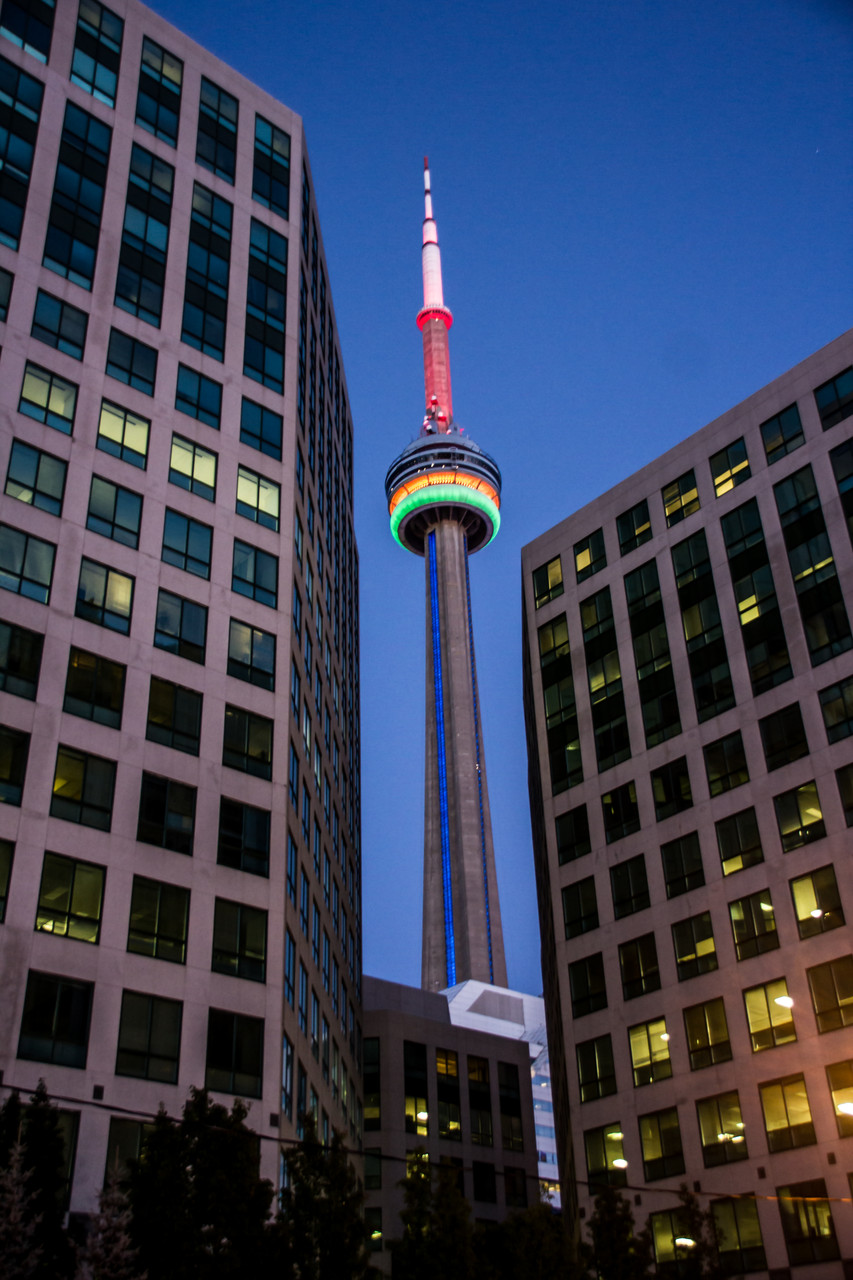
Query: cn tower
x,y
444,497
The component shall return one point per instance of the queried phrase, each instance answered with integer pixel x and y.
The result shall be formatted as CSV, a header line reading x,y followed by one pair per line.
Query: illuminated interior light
x,y
845,1108
617,1133
684,1242
816,914
664,1035
620,1164
423,1116
785,1001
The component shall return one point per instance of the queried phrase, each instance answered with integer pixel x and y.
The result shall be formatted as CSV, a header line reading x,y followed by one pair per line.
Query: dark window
x,y
621,815
174,716
634,527
97,51
548,582
255,574
760,619
671,789
239,940
799,816
26,564
485,1182
6,280
580,910
114,512
158,102
836,704
187,543
20,660
244,837
36,478
586,980
251,654
638,963
721,1129
258,498
263,352
235,1054
149,1037
247,743
658,698
730,467
707,1033
198,397
159,917
216,145
48,398
180,626
14,750
768,1015
94,688
271,174
807,1222
739,841
649,1045
844,778
660,1137
842,466
55,1023
166,813
596,1072
59,325
753,924
131,361
693,943
193,468
74,223
123,434
702,626
590,555
572,830
515,1188
261,428
605,1157
817,905
7,855
29,25
208,266
21,98
104,596
783,737
782,434
831,987
604,676
725,763
71,898
558,692
682,864
834,399
680,498
787,1115
83,788
629,886
141,274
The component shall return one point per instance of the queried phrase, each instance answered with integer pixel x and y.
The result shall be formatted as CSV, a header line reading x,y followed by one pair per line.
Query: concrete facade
x,y
688,685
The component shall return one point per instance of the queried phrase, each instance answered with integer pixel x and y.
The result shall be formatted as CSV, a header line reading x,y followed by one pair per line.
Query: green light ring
x,y
437,494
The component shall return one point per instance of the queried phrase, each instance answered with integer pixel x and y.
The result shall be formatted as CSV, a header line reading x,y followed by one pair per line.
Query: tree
x,y
20,1252
616,1252
699,1260
438,1238
35,1128
109,1253
531,1245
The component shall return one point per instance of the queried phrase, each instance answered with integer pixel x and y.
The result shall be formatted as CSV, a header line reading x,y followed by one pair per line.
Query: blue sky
x,y
644,209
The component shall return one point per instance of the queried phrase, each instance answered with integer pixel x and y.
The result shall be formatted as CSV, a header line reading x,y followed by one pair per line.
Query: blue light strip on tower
x,y
479,771
447,885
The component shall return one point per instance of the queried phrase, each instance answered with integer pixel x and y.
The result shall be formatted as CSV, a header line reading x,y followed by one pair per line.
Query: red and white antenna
x,y
434,320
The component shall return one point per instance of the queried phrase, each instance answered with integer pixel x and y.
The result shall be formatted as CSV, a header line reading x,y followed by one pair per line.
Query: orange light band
x,y
444,477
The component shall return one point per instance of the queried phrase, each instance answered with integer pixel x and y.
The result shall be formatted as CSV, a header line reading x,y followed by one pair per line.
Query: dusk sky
x,y
644,209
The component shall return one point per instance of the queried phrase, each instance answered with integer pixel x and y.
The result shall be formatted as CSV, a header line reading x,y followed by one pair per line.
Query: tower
x,y
443,496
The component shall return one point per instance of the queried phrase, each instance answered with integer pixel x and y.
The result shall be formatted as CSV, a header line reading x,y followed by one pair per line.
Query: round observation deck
x,y
443,475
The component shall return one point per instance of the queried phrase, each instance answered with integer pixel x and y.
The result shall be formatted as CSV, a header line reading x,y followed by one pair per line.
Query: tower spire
x,y
434,319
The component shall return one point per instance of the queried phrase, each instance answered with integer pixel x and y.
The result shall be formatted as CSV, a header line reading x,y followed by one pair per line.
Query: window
x,y
782,434
783,737
831,987
26,564
652,658
572,831
721,1129
739,841
271,173
629,886
104,596
807,1222
123,434
509,1101
834,399
660,1138
114,512
244,837
247,744
768,1014
485,1182
842,467
74,223
558,692
605,1157
59,325
415,1089
817,905
131,361
198,397
787,1115
158,102
730,467
216,145
702,627
174,716
621,815
36,478
604,676
671,789
589,555
14,750
738,1231
261,429
22,98
235,1054
836,704
187,543
263,351
193,468
707,1033
141,276
159,917
251,654
208,266
239,940
725,764
753,925
586,982
680,498
844,778
634,527
839,1077
55,1023
638,962
6,280
29,26
760,619
649,1045
166,813
94,688
255,574
180,626
7,854
149,1037
83,788
799,816
20,660
71,898
48,398
548,582
682,864
580,910
596,1072
258,499
693,943
97,51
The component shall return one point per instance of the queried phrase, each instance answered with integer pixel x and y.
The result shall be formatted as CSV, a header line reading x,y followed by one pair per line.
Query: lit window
x,y
787,1115
799,816
768,1013
730,467
693,943
753,925
193,468
548,582
649,1044
123,434
721,1129
817,905
104,596
71,898
707,1034
660,1138
36,478
831,987
680,498
48,398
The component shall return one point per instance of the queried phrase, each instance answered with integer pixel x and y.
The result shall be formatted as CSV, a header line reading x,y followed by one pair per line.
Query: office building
x,y
689,706
179,753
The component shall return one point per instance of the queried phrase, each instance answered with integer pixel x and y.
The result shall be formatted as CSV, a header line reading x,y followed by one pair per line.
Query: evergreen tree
x,y
411,1259
616,1252
438,1238
701,1259
109,1253
531,1245
35,1128
20,1252
320,1219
